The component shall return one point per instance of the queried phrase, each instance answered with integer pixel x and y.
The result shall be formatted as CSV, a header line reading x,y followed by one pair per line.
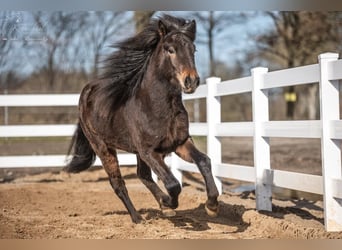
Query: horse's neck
x,y
161,97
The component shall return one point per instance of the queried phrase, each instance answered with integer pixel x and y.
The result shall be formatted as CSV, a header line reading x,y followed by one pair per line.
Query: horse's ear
x,y
193,26
190,29
161,28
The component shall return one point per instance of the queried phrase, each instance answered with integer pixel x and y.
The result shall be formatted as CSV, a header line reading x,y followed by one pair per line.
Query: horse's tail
x,y
83,154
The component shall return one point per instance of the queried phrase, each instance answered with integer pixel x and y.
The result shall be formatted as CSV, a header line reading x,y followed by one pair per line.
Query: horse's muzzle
x,y
191,84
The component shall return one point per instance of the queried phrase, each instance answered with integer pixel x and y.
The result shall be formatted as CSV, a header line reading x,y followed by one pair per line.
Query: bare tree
x,y
8,41
214,24
58,29
8,75
141,19
7,31
102,29
296,39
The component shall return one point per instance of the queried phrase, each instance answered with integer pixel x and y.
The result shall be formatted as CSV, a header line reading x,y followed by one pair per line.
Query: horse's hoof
x,y
137,219
168,212
210,212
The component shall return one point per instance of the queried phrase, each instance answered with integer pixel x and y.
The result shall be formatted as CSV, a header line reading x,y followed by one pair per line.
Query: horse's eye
x,y
171,50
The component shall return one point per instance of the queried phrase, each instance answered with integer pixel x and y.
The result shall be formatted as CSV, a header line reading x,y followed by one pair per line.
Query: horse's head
x,y
177,60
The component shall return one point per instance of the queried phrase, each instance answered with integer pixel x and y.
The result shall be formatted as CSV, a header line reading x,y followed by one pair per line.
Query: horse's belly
x,y
124,146
121,140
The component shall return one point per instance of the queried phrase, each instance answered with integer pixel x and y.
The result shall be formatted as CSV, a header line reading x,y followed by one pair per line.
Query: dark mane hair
x,y
124,69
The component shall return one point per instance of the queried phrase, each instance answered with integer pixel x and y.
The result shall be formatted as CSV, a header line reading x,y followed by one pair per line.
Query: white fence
x,y
329,129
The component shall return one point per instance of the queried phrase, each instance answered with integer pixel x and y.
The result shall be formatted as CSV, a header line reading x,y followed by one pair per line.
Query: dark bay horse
x,y
136,106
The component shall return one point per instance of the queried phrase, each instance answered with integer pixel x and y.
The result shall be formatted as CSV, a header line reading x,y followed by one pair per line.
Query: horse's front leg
x,y
156,162
190,153
145,175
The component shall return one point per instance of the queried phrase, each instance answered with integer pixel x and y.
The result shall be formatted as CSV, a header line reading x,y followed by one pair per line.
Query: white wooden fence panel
x,y
237,172
198,128
201,92
295,129
299,181
37,130
335,129
22,161
39,100
234,129
289,77
335,70
186,166
232,87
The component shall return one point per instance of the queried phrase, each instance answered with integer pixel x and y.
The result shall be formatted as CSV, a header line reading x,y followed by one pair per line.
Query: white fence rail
x,y
329,129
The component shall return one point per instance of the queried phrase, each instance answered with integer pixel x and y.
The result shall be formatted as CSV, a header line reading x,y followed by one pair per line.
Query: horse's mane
x,y
124,69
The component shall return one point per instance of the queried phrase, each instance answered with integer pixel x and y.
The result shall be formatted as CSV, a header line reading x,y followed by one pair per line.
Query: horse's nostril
x,y
197,81
187,82
191,82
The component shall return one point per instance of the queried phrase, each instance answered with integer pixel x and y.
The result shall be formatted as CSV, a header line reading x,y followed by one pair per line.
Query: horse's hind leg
x,y
111,166
110,163
145,175
190,153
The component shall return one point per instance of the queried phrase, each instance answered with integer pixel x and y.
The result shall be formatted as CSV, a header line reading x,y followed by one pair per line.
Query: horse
x,y
136,105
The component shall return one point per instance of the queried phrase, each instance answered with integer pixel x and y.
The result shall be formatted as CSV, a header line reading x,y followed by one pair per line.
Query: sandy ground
x,y
50,204
59,205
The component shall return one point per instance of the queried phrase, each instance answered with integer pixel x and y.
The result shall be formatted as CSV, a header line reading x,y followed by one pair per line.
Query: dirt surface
x,y
59,205
49,203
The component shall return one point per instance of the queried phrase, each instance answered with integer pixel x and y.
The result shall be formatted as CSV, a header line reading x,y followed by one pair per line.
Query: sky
x,y
234,42
229,48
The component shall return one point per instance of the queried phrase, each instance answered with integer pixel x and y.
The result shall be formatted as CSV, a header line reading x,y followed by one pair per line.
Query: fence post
x,y
331,155
263,191
154,176
213,118
175,168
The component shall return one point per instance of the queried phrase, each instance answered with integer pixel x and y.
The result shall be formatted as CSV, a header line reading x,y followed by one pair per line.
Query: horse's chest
x,y
174,133
180,126
160,125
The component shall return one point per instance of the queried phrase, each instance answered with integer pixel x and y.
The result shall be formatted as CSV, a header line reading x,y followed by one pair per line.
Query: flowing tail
x,y
83,155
